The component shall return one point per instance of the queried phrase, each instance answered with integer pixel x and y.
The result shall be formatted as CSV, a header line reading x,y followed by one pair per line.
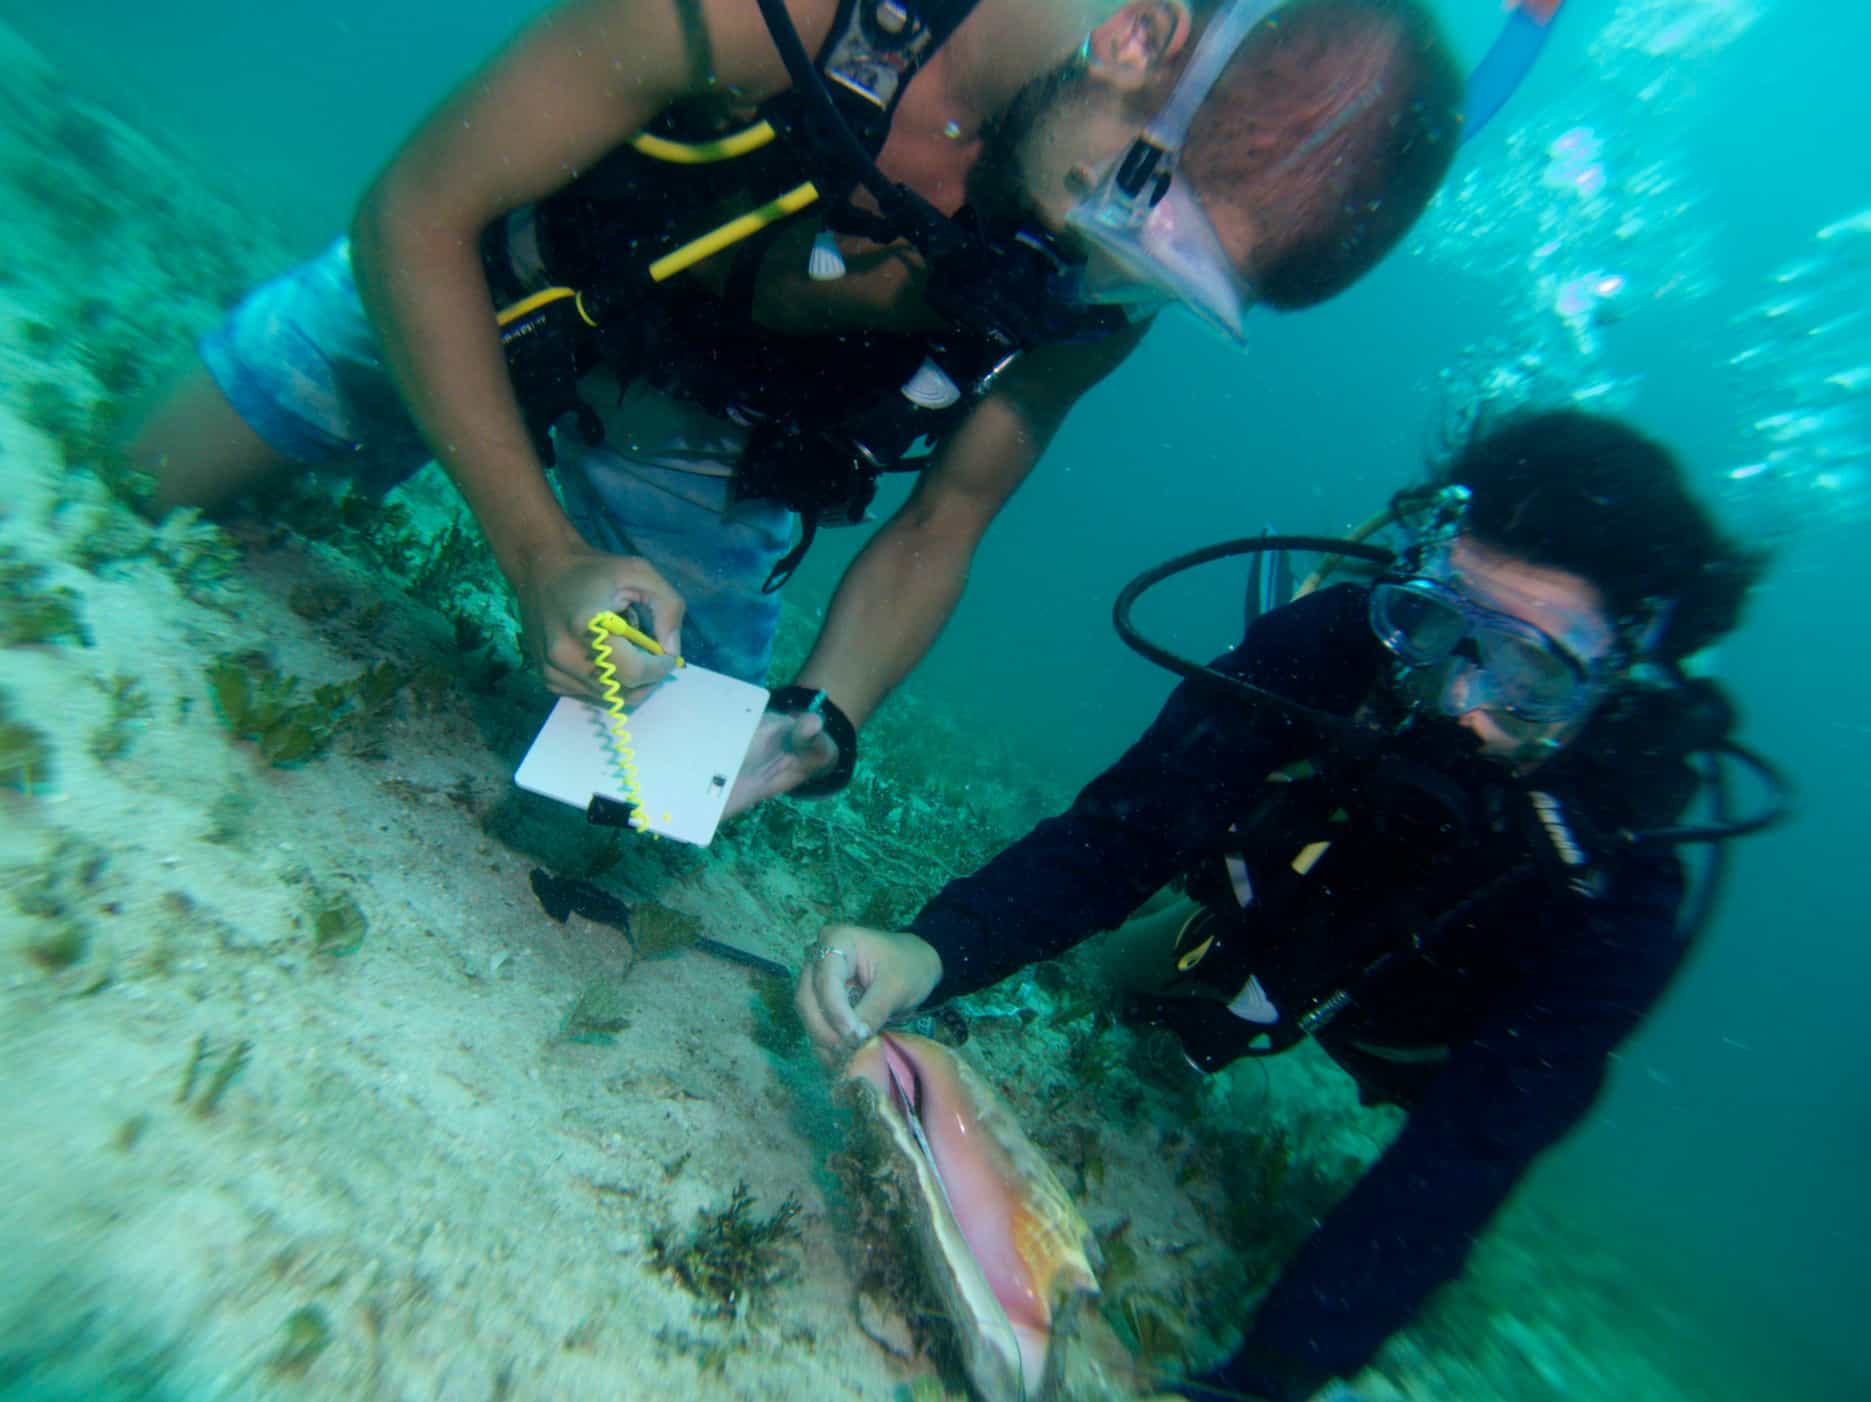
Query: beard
x,y
997,185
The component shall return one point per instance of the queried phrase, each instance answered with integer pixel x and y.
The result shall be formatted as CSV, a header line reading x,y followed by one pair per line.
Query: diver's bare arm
x,y
899,592
569,88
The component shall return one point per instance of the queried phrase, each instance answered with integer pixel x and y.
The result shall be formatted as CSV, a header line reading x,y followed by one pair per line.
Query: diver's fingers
x,y
565,667
806,728
831,974
819,1031
641,583
563,682
634,668
887,995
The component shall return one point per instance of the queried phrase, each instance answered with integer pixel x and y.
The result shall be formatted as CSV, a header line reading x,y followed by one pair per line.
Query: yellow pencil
x,y
615,623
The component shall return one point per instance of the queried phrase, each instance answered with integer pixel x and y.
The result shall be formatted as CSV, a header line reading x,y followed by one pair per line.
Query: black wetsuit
x,y
1530,994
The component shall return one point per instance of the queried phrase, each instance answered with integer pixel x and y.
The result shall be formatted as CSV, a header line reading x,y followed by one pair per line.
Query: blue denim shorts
x,y
298,361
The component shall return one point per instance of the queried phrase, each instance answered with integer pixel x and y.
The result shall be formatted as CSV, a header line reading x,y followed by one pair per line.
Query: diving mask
x,y
1476,658
1157,243
1147,227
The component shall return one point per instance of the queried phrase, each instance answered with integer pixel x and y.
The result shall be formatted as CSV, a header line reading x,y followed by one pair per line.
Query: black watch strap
x,y
794,700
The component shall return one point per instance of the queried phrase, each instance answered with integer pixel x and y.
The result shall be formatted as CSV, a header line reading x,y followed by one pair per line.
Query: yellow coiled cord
x,y
601,628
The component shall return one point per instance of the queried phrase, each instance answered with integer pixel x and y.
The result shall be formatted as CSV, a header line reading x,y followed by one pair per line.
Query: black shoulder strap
x,y
821,122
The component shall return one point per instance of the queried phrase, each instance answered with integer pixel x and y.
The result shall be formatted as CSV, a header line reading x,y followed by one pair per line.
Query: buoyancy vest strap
x,y
933,232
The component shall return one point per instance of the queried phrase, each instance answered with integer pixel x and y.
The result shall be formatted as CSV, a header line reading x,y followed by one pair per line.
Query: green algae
x,y
61,948
732,1257
30,612
307,1334
598,1015
192,1071
657,929
338,924
25,756
196,554
129,708
231,1065
259,703
1150,1327
289,724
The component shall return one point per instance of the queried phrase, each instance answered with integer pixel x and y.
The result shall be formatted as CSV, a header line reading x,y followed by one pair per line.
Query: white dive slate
x,y
689,739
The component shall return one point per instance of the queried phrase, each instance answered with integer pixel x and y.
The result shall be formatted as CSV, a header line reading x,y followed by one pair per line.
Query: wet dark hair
x,y
1593,496
1333,125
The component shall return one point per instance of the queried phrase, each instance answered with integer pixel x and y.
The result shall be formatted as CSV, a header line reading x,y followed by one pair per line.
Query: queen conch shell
x,y
997,1231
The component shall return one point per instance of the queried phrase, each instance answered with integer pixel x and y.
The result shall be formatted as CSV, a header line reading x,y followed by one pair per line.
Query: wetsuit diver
x,y
727,262
1429,818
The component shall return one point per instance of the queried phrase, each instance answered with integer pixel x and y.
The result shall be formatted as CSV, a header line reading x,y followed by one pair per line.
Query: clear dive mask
x,y
1149,238
1151,241
1464,656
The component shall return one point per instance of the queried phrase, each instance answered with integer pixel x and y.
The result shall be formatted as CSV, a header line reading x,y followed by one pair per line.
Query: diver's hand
x,y
786,751
891,973
561,593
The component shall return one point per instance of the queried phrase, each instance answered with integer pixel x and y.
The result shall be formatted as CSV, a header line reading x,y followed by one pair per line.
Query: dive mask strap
x,y
1138,180
1217,45
1433,518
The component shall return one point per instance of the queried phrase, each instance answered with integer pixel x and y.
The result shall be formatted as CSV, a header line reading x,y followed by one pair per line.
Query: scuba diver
x,y
1429,818
723,264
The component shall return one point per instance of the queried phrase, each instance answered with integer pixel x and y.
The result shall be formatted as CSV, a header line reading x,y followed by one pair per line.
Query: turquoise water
x,y
1728,1157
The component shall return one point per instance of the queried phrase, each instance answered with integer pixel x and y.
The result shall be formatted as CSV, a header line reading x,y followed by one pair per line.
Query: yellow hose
x,y
701,153
510,314
733,232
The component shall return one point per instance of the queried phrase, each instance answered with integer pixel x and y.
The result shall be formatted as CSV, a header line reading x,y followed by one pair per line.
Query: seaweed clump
x,y
439,571
732,1256
54,892
84,434
232,1063
32,614
25,754
262,704
129,707
198,555
59,950
598,1015
307,1334
657,929
338,924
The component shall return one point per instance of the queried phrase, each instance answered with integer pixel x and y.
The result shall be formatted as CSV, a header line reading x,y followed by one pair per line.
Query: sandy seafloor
x,y
422,1182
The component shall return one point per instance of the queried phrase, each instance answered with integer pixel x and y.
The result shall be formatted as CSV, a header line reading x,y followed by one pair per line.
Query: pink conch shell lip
x,y
906,1091
1015,1218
